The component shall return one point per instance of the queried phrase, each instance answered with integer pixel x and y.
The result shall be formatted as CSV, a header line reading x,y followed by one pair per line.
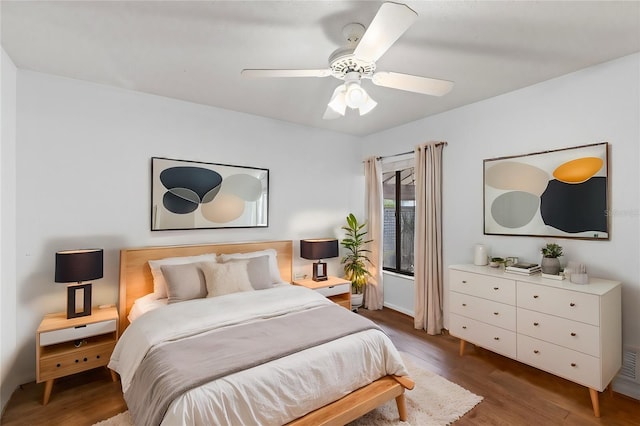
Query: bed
x,y
295,386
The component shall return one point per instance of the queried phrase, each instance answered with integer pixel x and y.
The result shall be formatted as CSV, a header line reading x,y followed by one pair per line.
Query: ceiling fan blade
x,y
391,21
285,73
412,83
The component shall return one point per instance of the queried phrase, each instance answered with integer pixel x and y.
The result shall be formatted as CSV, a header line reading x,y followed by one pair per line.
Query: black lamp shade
x,y
78,265
321,248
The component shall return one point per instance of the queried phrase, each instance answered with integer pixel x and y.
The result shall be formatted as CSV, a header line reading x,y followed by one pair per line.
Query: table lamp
x,y
77,266
318,249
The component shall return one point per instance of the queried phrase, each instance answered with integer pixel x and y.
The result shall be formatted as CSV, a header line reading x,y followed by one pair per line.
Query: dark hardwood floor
x,y
514,394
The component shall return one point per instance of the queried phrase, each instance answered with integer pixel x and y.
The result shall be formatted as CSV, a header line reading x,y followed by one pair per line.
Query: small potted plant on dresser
x,y
550,263
355,261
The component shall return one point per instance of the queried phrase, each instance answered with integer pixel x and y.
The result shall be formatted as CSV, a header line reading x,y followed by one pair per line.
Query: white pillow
x,y
226,278
274,271
159,283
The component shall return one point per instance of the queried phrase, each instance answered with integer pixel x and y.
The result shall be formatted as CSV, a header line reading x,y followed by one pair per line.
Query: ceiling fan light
x,y
337,102
356,96
367,107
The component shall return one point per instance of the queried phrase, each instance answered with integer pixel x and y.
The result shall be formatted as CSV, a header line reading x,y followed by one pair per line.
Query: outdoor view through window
x,y
399,219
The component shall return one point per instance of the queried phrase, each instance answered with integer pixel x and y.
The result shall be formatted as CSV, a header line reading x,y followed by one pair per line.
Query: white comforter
x,y
272,393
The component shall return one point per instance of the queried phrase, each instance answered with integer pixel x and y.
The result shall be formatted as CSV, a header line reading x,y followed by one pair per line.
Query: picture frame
x,y
560,193
198,195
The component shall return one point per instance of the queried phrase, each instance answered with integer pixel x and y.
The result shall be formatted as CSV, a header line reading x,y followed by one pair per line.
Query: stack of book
x,y
523,268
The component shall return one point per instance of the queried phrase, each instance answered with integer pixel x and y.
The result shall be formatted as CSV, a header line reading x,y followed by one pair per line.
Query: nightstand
x,y
336,289
67,346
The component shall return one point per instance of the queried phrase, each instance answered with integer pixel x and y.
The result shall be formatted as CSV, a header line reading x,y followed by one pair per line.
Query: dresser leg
x,y
595,402
462,342
48,386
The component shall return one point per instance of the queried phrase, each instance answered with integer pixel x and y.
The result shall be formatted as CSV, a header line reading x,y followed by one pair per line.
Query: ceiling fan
x,y
357,61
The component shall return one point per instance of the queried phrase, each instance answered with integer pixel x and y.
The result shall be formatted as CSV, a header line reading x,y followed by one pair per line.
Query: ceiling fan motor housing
x,y
343,61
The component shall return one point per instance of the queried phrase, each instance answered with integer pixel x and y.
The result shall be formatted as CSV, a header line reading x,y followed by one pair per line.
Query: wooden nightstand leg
x,y
48,386
595,402
462,342
114,376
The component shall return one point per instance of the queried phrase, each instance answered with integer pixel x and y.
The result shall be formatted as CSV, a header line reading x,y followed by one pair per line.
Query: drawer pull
x,y
97,356
535,296
496,313
58,365
331,286
572,304
77,361
464,304
496,288
573,364
496,338
535,351
464,327
85,360
464,282
536,324
573,334
81,326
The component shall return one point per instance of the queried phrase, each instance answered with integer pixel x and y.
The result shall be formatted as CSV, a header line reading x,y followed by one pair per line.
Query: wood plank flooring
x,y
514,394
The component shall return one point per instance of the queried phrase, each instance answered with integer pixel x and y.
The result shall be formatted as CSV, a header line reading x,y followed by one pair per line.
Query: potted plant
x,y
550,263
355,261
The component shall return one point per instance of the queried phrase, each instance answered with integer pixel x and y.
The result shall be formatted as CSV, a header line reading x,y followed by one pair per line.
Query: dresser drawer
x,y
572,365
493,288
76,333
80,359
561,303
334,289
484,310
574,335
487,336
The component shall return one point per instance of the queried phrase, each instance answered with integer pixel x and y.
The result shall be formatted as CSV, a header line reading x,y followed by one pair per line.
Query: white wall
x,y
84,181
7,227
597,104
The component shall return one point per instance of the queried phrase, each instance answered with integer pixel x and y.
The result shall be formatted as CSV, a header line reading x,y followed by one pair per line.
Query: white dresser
x,y
570,330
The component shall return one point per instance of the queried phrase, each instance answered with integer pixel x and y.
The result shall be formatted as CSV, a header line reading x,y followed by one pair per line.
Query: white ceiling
x,y
195,50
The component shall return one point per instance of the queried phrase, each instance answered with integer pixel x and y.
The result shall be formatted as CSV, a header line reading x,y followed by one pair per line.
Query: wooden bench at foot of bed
x,y
360,402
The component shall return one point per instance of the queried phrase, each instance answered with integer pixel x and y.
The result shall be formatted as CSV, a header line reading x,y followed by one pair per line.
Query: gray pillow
x,y
226,278
258,271
184,282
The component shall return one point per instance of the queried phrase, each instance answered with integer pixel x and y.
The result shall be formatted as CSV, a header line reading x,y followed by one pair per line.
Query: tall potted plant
x,y
355,261
550,263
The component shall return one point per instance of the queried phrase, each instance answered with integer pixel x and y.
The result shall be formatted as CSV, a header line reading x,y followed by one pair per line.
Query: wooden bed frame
x,y
136,281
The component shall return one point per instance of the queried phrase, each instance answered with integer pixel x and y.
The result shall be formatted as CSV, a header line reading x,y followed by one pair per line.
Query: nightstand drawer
x,y
77,333
81,359
334,289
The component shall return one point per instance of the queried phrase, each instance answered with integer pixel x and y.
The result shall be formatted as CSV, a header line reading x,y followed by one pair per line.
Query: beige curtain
x,y
428,273
373,294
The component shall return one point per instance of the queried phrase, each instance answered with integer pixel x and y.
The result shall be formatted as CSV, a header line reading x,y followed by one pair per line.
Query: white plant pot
x,y
356,300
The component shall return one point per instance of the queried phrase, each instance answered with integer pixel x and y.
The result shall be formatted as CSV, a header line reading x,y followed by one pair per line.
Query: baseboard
x,y
627,387
399,309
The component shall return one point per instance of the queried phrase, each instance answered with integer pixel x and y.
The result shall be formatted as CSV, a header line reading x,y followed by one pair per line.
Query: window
x,y
398,187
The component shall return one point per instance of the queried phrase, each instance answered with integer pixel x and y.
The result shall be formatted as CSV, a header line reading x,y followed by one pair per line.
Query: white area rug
x,y
434,401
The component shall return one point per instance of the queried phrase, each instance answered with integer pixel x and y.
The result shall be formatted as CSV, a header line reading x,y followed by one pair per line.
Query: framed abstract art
x,y
198,195
558,193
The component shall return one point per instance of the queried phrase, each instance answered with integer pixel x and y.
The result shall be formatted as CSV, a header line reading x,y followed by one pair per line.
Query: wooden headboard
x,y
136,279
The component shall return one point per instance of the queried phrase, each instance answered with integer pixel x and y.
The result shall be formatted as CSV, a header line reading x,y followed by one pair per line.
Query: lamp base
x,y
319,271
72,312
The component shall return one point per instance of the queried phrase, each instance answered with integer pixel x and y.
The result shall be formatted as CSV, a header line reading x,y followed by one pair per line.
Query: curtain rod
x,y
405,153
